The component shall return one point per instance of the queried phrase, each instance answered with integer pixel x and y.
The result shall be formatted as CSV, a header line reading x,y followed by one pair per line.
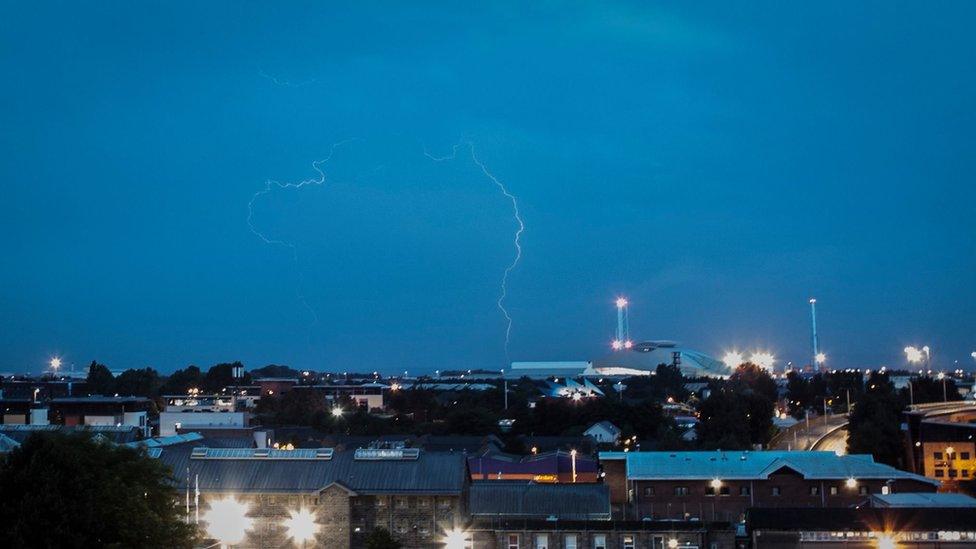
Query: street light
x,y
763,359
455,539
301,526
945,396
337,412
913,354
733,358
886,542
820,358
227,520
55,364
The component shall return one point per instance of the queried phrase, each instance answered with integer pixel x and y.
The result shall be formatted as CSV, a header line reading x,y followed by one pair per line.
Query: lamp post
x,y
945,396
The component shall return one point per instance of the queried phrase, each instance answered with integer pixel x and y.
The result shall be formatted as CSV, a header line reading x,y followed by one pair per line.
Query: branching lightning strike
x,y
518,232
269,186
282,82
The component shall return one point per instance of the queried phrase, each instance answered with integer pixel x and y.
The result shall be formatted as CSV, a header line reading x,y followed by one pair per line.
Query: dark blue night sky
x,y
717,163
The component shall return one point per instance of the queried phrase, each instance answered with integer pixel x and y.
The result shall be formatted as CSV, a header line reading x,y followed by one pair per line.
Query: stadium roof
x,y
754,465
647,356
531,500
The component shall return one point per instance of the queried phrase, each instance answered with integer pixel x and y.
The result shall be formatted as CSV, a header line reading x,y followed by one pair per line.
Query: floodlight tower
x,y
622,341
813,332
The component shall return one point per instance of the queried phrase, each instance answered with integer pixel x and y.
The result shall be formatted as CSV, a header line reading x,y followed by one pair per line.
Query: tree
x,y
181,381
722,422
100,380
380,538
144,382
749,377
220,376
874,423
71,491
799,395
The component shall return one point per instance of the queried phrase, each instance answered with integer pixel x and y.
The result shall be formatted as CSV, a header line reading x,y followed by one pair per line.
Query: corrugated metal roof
x,y
751,465
531,500
115,433
431,473
922,499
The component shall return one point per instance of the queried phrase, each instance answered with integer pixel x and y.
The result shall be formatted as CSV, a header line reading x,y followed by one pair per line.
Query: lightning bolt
x,y
518,232
283,82
271,185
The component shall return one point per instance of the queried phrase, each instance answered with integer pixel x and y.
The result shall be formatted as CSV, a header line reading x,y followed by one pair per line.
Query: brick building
x,y
862,528
600,534
415,495
722,485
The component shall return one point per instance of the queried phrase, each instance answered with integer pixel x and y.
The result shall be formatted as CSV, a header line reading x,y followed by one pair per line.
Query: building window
x,y
952,473
381,501
814,490
569,541
885,490
401,503
401,526
723,491
965,473
709,490
599,541
648,491
513,541
937,455
681,490
745,491
862,490
964,455
423,503
627,542
542,541
776,490
833,490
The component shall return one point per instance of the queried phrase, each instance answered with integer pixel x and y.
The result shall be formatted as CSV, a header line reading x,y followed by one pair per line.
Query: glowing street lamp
x,y
55,364
886,542
227,520
733,359
851,482
455,539
301,526
820,358
337,412
763,359
913,354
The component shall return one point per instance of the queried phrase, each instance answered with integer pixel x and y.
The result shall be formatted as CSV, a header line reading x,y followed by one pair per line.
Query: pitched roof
x,y
114,433
7,444
605,425
753,465
922,499
531,500
430,473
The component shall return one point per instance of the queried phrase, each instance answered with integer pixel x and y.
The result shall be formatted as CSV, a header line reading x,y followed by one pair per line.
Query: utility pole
x,y
813,332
